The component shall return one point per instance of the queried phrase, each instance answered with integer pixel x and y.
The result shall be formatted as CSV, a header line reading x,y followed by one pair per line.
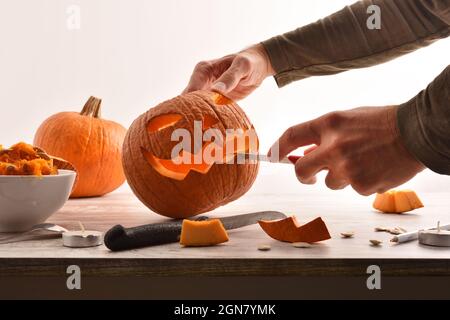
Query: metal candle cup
x,y
436,237
82,239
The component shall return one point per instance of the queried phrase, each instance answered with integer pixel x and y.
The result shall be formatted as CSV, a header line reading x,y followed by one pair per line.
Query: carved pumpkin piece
x,y
397,201
202,233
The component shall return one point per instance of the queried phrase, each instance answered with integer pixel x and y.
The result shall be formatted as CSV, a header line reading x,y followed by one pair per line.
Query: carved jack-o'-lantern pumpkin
x,y
180,183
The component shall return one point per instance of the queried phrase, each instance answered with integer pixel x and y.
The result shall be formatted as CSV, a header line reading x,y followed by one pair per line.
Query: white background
x,y
137,53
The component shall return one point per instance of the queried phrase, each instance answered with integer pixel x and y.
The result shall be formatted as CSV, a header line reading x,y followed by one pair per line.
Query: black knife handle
x,y
119,238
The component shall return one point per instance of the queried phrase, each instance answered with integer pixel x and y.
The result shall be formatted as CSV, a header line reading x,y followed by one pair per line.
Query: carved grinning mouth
x,y
181,165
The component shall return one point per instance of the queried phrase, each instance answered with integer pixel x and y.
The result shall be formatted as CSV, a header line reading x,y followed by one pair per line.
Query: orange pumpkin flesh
x,y
289,230
397,201
91,144
182,190
24,159
202,233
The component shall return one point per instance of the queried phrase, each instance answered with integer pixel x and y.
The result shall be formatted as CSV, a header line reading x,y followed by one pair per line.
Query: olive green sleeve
x,y
343,41
424,124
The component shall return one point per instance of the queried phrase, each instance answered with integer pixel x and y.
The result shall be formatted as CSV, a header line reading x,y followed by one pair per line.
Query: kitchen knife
x,y
119,238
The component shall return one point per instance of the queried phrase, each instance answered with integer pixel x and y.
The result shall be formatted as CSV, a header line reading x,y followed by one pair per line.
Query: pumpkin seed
x,y
375,243
301,245
264,247
394,231
348,234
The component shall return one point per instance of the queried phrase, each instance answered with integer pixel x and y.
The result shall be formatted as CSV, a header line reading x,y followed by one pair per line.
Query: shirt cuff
x,y
279,61
412,132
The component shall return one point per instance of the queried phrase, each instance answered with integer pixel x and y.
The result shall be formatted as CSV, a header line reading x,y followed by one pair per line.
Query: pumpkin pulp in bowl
x,y
33,186
25,160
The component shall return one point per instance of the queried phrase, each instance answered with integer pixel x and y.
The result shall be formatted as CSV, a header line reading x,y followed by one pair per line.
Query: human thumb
x,y
227,81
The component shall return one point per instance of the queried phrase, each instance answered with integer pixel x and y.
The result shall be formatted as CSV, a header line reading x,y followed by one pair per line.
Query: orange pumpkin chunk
x,y
289,230
202,233
399,201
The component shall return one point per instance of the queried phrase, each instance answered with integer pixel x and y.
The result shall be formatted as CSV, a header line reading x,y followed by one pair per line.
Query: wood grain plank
x,y
342,211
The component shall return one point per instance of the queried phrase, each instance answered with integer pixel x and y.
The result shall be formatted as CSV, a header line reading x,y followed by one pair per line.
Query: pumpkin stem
x,y
92,107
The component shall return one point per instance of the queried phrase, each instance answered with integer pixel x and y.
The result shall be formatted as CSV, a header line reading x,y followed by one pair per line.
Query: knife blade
x,y
119,238
264,158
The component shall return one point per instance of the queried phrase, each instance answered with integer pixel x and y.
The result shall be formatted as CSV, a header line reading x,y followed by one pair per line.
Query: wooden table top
x,y
342,211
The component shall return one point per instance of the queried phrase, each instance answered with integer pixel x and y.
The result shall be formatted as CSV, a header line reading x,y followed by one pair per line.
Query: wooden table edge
x,y
150,267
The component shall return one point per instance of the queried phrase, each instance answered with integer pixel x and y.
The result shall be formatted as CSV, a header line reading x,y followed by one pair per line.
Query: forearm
x,y
342,41
424,124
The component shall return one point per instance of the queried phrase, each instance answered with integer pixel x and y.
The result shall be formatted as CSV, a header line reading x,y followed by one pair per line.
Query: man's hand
x,y
359,147
234,76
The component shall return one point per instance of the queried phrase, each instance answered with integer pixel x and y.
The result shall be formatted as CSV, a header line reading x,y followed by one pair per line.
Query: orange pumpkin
x,y
289,230
93,145
178,189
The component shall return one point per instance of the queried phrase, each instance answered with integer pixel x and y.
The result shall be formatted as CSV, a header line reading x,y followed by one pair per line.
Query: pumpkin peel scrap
x,y
290,230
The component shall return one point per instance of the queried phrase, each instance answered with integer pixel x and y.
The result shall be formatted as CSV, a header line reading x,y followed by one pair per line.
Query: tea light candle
x,y
435,237
82,238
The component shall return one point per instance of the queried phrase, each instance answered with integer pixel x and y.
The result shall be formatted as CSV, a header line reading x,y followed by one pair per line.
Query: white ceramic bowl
x,y
29,200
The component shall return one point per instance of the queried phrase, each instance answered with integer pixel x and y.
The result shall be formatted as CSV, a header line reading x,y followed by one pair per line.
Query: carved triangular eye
x,y
164,121
161,122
